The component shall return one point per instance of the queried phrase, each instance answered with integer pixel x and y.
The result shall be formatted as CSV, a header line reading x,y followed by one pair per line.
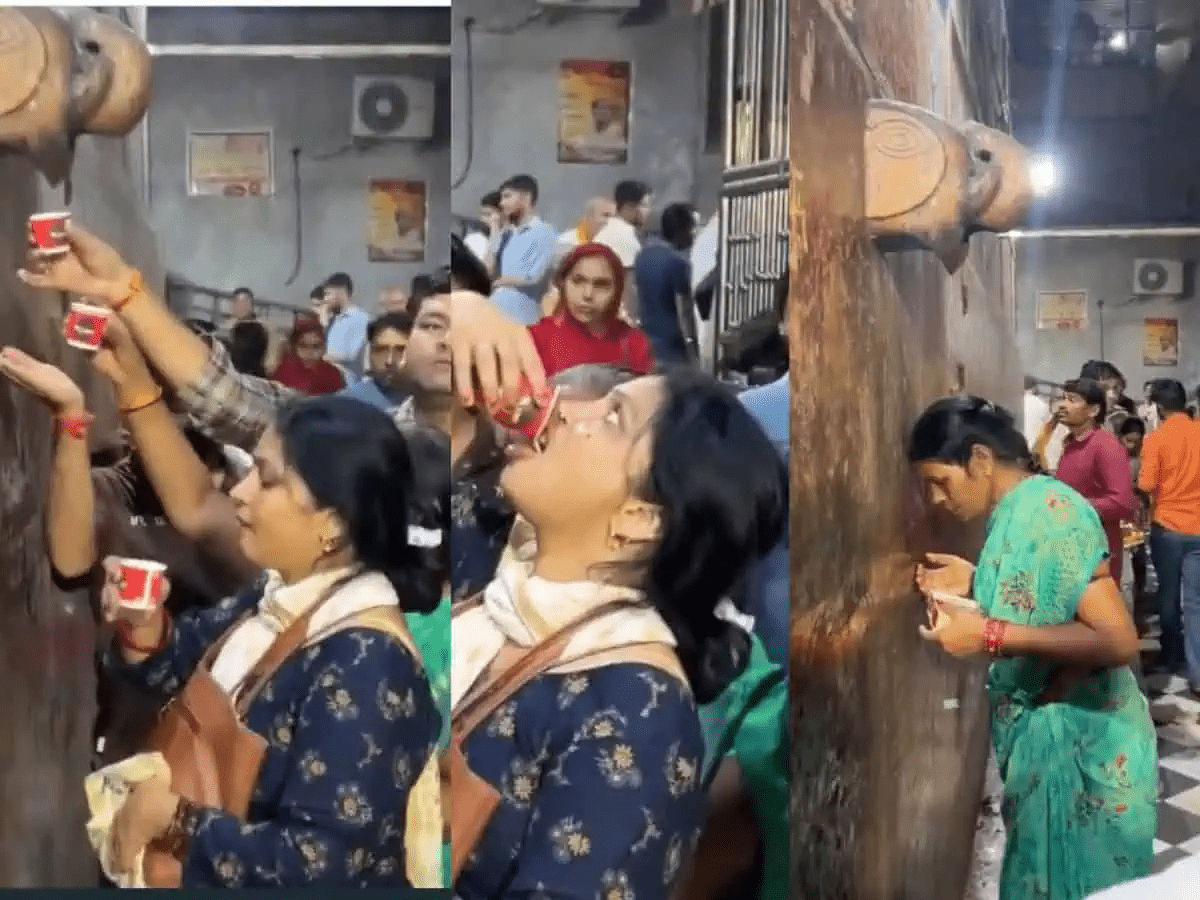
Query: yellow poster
x,y
1161,343
593,111
398,219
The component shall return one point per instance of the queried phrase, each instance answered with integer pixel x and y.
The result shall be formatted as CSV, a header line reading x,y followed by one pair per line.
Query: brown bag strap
x,y
281,650
494,692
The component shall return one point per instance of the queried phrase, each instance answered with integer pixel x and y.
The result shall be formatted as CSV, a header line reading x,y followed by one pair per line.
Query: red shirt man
x,y
1095,464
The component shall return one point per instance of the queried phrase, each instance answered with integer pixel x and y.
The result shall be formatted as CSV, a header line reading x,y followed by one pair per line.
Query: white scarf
x,y
523,609
282,604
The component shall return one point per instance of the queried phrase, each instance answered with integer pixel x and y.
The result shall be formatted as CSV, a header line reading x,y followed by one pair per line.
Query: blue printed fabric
x,y
350,723
599,774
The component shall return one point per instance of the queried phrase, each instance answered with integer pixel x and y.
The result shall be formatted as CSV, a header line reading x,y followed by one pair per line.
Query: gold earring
x,y
329,545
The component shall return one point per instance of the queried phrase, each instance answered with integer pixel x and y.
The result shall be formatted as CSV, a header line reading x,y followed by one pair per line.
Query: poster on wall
x,y
1064,310
398,220
1161,343
594,111
230,163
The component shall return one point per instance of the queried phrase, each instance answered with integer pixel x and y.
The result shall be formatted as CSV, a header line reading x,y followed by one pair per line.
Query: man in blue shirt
x,y
524,253
663,271
385,387
346,331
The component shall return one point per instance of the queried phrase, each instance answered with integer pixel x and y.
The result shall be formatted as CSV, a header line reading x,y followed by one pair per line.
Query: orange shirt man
x,y
1170,477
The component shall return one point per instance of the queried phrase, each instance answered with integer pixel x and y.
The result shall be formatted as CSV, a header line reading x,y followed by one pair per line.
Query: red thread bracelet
x,y
125,637
76,425
993,636
132,290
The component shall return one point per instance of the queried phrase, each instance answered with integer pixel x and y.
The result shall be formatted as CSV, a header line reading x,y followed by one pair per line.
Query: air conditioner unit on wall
x,y
1158,277
393,107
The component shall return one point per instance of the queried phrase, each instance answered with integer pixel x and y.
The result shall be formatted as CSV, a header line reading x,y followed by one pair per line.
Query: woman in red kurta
x,y
585,328
302,367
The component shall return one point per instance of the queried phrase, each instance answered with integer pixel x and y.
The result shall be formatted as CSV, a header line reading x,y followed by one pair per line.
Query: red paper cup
x,y
529,415
48,233
141,583
84,326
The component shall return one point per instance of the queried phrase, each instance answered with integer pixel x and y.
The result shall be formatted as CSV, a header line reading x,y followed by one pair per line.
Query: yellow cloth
x,y
106,792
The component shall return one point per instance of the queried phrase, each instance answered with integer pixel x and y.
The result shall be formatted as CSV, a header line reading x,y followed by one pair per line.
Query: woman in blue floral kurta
x,y
350,720
349,725
599,768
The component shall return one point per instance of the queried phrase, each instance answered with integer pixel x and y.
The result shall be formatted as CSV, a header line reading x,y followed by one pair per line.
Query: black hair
x,y
723,493
1169,394
952,427
354,461
248,348
678,223
399,321
1132,425
522,184
1100,370
630,193
491,200
139,489
467,272
317,293
430,452
243,290
201,327
340,280
1092,394
783,286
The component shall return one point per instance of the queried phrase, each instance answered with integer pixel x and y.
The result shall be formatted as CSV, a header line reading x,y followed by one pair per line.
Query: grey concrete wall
x,y
515,93
224,243
1104,268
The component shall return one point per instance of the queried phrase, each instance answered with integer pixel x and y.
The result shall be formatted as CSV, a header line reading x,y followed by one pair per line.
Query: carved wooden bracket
x,y
64,73
935,184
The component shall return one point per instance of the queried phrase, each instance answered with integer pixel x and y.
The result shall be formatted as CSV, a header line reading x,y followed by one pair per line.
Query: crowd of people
x,y
442,651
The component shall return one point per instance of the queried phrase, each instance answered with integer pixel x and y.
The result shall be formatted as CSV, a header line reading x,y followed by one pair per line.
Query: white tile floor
x,y
1177,715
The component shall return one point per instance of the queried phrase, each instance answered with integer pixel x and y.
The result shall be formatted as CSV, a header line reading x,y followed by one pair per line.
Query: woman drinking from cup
x,y
316,661
576,748
1071,730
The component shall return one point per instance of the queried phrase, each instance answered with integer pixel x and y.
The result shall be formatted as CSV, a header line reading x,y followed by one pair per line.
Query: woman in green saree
x,y
1071,730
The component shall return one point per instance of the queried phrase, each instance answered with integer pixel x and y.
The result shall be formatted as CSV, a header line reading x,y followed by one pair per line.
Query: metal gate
x,y
753,252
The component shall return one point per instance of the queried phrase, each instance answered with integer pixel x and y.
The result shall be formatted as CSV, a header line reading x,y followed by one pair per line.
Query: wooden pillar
x,y
890,736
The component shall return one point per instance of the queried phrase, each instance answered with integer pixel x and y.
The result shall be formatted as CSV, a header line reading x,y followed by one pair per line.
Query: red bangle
x,y
76,425
125,637
131,290
993,636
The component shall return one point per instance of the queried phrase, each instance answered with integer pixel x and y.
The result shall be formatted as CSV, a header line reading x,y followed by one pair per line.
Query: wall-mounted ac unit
x,y
1158,277
597,5
393,107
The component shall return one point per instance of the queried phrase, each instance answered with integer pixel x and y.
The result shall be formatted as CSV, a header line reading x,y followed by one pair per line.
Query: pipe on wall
x,y
303,51
1150,231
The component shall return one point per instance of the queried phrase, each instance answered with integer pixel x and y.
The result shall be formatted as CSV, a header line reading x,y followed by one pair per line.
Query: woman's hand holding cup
x,y
89,267
141,623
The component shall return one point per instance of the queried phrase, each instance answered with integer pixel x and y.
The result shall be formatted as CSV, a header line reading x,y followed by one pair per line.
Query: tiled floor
x,y
1177,715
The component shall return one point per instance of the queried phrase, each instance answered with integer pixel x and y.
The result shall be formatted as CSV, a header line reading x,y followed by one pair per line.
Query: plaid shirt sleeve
x,y
228,406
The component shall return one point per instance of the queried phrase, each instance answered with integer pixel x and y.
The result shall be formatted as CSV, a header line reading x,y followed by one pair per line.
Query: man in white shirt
x,y
483,243
622,234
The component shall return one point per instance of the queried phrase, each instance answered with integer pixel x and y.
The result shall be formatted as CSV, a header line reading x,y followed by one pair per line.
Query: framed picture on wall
x,y
594,111
1062,310
1161,342
398,220
231,163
